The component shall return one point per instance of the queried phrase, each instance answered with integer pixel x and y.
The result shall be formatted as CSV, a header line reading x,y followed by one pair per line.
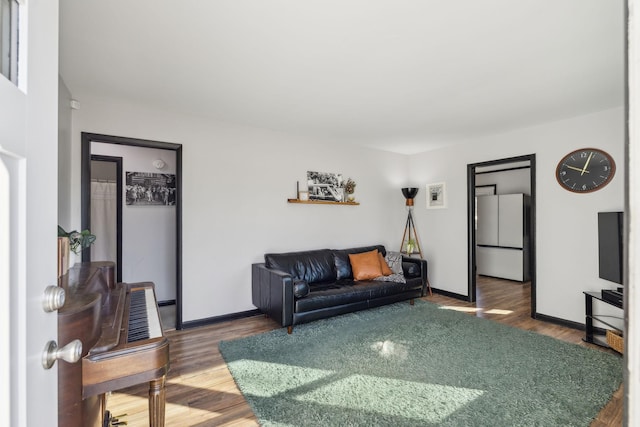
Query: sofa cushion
x,y
394,260
365,266
386,289
349,292
411,269
332,295
343,264
300,289
395,277
310,266
386,271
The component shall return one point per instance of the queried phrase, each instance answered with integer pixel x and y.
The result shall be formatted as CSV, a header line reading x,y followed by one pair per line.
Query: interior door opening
x,y
106,210
501,223
141,258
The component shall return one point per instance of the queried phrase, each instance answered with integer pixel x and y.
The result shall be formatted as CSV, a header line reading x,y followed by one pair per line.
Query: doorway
x,y
477,185
136,249
106,210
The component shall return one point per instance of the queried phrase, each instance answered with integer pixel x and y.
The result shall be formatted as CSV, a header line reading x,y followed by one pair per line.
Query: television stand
x,y
591,336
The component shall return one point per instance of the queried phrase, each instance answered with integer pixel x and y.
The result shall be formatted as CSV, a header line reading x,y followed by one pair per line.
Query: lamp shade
x,y
410,192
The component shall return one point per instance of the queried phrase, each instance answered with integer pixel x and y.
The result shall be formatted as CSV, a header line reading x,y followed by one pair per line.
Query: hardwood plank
x,y
200,390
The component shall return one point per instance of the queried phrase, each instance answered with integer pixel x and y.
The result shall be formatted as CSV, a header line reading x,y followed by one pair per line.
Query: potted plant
x,y
411,246
78,240
75,241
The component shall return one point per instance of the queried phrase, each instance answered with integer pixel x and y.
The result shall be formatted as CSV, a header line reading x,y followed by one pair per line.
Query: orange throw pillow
x,y
386,271
365,266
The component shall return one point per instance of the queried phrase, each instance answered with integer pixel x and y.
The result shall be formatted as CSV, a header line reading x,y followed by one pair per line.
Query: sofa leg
x,y
289,330
411,302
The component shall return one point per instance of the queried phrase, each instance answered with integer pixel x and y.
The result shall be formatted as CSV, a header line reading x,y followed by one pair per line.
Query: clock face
x,y
585,170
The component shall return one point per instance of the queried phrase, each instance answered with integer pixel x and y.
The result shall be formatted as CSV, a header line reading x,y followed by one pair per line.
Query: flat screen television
x,y
610,242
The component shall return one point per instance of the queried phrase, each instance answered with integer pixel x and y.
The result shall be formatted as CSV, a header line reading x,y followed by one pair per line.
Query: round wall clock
x,y
585,170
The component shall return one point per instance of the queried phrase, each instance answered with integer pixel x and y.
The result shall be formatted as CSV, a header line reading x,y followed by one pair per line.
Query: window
x,y
9,39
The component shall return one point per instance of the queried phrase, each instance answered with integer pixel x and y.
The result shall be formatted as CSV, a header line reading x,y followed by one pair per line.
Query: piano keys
x,y
141,325
123,344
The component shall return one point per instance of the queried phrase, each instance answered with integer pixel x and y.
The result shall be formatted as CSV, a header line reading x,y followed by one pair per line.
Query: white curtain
x,y
103,221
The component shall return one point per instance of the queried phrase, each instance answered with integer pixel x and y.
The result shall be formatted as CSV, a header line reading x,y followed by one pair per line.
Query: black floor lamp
x,y
410,243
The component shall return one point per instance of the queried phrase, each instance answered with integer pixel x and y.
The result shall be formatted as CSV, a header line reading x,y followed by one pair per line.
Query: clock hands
x,y
576,169
584,169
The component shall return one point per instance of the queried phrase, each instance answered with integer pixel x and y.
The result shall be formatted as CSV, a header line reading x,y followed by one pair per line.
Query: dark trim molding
x,y
471,233
471,213
118,162
217,319
450,294
178,151
559,321
504,170
167,302
506,280
85,189
135,142
501,247
533,267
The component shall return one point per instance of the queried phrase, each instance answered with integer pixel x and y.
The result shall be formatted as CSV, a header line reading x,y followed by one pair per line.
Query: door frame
x,y
471,231
118,162
85,189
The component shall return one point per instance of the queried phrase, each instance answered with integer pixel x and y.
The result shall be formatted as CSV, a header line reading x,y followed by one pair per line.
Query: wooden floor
x,y
201,392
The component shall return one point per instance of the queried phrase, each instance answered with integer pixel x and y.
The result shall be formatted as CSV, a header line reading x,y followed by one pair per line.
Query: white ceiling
x,y
397,75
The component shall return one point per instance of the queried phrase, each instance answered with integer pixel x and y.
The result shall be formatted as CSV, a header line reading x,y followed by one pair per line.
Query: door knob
x,y
53,298
70,353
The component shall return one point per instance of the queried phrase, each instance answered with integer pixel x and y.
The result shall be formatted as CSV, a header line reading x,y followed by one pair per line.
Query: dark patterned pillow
x,y
394,261
395,277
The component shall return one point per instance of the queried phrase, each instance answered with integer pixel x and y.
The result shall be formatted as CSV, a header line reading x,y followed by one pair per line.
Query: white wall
x,y
236,181
148,232
567,255
64,155
508,181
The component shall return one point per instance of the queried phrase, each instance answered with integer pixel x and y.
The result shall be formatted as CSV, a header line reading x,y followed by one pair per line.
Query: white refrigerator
x,y
502,236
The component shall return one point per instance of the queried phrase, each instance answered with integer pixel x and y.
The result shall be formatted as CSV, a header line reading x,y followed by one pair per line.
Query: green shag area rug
x,y
421,365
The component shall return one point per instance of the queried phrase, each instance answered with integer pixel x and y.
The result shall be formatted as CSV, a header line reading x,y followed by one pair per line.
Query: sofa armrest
x,y
272,293
416,262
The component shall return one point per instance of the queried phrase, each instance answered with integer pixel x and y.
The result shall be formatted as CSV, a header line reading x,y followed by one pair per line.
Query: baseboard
x,y
559,321
218,319
167,302
450,294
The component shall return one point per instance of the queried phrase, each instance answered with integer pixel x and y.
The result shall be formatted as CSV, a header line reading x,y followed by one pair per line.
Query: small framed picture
x,y
437,195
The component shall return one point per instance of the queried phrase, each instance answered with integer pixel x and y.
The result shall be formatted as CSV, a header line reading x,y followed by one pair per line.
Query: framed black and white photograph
x,y
325,186
150,189
436,195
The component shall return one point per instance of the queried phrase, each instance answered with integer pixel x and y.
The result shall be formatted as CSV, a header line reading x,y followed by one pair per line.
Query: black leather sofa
x,y
298,287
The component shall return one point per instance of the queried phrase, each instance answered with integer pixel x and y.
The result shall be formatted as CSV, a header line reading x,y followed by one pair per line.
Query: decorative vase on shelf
x,y
349,188
411,246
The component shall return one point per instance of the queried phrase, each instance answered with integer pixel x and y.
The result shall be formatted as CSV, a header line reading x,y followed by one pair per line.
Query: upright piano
x,y
122,344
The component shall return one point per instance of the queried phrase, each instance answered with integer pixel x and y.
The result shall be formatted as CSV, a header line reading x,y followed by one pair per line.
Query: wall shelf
x,y
321,202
